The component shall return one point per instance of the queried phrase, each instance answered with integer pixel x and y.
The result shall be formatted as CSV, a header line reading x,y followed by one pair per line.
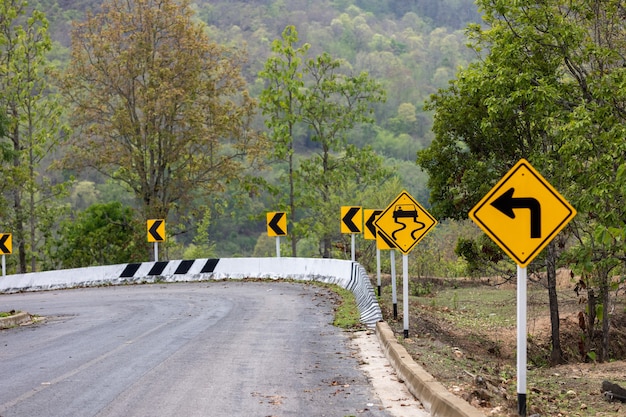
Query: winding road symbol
x,y
408,211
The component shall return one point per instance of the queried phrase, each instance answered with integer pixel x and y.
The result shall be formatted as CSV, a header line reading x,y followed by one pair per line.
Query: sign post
x,y
394,291
6,248
522,213
382,243
405,222
156,234
352,222
277,226
369,233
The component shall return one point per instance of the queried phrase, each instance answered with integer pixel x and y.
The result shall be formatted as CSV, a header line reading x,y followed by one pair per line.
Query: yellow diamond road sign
x,y
522,213
404,222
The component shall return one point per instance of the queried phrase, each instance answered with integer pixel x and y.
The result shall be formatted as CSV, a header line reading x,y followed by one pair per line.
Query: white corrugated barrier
x,y
346,274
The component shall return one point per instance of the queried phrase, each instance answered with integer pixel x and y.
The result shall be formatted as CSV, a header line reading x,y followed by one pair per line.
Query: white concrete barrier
x,y
346,274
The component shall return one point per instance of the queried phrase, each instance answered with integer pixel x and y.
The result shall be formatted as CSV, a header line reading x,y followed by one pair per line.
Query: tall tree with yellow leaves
x,y
156,104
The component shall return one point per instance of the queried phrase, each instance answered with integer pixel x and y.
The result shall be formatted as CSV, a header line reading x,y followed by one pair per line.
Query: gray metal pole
x,y
353,246
405,293
522,277
394,291
378,270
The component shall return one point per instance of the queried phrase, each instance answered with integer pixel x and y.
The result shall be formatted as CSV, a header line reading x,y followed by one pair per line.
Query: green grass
x,y
482,308
347,313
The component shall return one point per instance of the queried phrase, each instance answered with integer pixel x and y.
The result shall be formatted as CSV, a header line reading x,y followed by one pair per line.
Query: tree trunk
x,y
556,355
591,315
292,202
604,356
20,238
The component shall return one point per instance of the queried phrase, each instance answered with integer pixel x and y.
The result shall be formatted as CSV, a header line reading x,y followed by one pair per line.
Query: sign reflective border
x,y
405,222
522,213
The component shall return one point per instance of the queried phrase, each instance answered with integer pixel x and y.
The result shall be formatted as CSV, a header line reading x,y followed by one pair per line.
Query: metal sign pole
x,y
4,265
405,293
378,270
521,340
278,246
156,251
394,292
353,247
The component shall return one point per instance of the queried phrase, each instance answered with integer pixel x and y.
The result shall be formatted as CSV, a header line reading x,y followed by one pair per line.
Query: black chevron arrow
x,y
273,224
506,203
3,247
369,223
153,230
347,220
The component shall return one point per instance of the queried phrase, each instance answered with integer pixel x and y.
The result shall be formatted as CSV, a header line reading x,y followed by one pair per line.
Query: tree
x,y
32,121
318,96
332,104
156,104
103,234
546,89
279,102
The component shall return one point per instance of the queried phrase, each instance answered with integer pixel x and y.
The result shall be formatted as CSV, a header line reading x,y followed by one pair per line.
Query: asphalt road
x,y
207,349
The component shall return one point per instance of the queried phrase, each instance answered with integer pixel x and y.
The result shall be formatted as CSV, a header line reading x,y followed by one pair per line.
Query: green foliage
x,y
550,89
31,122
103,234
403,56
167,115
347,313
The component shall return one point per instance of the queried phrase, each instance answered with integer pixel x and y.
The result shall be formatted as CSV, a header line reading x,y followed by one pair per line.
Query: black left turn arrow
x,y
347,220
154,231
273,224
506,203
369,223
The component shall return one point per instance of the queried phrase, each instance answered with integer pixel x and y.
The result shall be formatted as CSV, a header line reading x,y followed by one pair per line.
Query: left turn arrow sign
x,y
351,219
6,244
156,230
276,223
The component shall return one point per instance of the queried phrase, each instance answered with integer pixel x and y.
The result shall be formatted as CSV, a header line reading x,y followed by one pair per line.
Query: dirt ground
x,y
480,366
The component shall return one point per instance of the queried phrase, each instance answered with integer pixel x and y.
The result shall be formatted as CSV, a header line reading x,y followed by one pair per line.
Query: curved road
x,y
208,349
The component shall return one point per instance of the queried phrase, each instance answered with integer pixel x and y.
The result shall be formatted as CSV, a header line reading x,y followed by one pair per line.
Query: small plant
x,y
418,289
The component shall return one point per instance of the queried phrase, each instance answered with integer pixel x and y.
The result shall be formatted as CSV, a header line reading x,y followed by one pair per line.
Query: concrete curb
x,y
15,320
434,396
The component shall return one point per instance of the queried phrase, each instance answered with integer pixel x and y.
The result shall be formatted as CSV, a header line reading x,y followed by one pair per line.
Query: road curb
x,y
434,396
14,320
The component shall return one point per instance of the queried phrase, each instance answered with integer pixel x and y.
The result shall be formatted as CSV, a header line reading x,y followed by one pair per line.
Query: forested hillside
x,y
410,48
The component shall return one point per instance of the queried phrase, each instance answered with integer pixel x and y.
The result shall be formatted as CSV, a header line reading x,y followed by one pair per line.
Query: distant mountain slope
x,y
412,46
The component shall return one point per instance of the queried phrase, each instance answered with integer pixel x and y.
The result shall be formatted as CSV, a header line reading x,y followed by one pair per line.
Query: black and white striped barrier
x,y
346,274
